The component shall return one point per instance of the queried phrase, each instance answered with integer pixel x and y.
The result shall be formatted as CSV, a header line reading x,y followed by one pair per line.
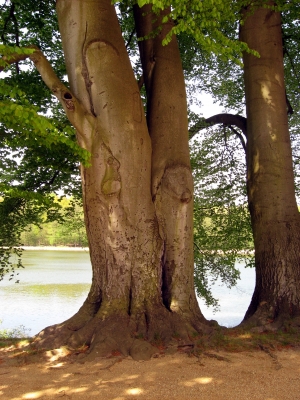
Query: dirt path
x,y
222,375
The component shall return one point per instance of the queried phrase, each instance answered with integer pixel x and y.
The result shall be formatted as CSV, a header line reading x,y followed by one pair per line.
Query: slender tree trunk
x,y
273,208
137,191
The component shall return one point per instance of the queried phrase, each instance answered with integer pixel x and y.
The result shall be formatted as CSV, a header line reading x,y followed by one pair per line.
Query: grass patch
x,y
14,336
237,340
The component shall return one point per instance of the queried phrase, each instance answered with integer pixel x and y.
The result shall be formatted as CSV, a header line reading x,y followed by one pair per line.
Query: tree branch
x,y
239,136
291,60
225,119
141,82
80,118
289,107
12,17
75,111
130,38
12,58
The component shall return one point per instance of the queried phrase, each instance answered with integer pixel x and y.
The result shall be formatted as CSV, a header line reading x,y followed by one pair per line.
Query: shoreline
x,y
67,248
55,248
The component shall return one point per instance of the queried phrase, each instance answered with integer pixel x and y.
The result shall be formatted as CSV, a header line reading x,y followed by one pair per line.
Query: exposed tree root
x,y
273,356
216,356
263,320
139,336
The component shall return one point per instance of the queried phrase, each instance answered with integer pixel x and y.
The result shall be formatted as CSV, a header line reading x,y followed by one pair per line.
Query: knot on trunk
x,y
68,100
178,183
111,183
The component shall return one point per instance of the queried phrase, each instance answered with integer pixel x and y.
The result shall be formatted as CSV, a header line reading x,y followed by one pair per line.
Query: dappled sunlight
x,y
266,93
134,391
23,343
271,131
55,354
174,305
278,79
267,97
202,381
51,392
33,395
150,377
256,162
132,377
245,336
114,220
59,365
167,362
121,379
180,377
2,388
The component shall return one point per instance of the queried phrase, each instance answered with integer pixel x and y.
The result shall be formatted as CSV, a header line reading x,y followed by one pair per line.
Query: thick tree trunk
x,y
273,208
172,182
140,239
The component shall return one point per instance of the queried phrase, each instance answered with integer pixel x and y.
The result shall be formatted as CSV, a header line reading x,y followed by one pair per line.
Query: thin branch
x,y
11,13
12,17
242,140
141,82
289,107
50,182
291,60
198,248
130,38
13,58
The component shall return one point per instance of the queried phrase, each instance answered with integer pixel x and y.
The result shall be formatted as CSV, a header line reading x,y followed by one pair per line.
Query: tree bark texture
x,y
137,191
270,180
172,182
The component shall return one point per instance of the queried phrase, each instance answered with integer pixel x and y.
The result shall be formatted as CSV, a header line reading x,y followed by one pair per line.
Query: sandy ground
x,y
260,375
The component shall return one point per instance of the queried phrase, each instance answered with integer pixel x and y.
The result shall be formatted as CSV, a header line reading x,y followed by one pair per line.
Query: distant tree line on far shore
x,y
70,231
55,234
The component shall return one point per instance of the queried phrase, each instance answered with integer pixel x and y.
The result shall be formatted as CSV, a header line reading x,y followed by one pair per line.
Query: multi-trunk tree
x,y
137,188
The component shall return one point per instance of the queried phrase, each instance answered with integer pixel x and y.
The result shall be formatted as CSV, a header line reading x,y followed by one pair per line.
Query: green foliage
x,y
291,45
31,168
222,227
207,21
38,154
16,213
68,231
7,53
18,115
16,333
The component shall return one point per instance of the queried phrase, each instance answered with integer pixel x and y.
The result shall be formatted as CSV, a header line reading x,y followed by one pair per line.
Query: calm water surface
x,y
54,284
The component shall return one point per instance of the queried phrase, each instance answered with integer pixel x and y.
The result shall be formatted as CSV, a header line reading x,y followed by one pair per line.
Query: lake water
x,y
55,283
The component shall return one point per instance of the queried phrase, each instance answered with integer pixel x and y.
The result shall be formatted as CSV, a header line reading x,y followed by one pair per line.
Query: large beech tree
x,y
270,178
270,181
137,188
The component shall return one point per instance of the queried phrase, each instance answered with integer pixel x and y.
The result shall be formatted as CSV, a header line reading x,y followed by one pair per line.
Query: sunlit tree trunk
x,y
172,182
137,190
273,208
